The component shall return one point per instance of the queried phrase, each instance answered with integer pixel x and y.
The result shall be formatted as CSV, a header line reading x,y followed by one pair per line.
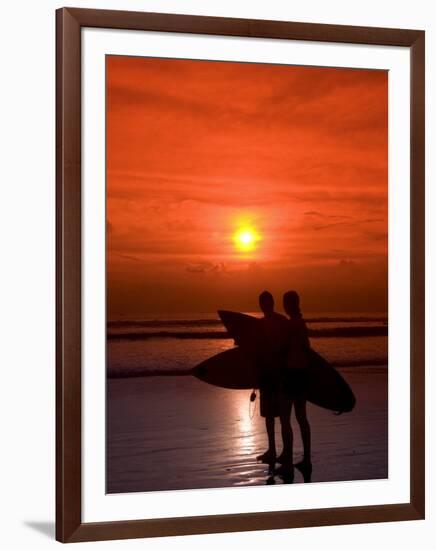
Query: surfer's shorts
x,y
269,401
270,392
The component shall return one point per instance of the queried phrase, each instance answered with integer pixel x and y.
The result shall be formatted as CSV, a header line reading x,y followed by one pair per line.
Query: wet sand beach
x,y
176,432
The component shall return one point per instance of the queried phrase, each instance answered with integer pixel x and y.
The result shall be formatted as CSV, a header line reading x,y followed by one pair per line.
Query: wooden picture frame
x,y
69,524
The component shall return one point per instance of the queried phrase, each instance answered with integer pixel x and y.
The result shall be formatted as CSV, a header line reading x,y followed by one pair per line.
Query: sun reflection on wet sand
x,y
247,440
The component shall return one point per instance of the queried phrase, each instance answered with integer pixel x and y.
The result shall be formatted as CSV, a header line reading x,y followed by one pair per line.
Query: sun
x,y
246,239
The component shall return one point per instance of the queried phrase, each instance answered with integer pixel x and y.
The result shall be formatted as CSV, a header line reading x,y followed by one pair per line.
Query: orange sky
x,y
197,150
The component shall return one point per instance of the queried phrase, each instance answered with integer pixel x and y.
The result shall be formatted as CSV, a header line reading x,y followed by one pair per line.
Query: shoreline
x,y
144,373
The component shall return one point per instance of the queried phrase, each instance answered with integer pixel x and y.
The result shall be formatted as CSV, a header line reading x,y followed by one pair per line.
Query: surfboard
x,y
244,329
233,369
238,368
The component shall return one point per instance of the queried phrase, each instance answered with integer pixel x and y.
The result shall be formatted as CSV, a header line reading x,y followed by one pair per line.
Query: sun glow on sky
x,y
246,239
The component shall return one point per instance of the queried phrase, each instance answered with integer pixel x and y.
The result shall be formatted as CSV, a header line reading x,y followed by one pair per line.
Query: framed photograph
x,y
240,274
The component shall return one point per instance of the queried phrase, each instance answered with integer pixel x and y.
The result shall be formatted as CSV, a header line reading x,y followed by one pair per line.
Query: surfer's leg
x,y
287,435
286,468
270,454
301,416
267,411
269,421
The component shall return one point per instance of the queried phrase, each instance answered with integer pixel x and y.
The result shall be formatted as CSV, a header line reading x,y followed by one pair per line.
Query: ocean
x,y
171,345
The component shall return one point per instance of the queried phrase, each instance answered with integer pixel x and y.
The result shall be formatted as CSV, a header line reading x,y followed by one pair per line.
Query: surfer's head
x,y
266,302
291,303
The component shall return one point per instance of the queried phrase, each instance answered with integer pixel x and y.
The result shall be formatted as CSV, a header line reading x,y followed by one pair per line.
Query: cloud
x,y
312,213
207,267
347,263
126,257
347,223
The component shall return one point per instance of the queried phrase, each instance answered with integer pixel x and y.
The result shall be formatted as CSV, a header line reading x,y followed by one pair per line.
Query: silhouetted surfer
x,y
275,332
297,360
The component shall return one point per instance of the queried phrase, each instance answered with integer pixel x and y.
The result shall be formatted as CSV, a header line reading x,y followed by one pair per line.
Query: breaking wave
x,y
336,332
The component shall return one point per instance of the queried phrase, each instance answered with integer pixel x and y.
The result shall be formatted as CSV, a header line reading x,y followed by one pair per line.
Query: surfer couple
x,y
282,379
